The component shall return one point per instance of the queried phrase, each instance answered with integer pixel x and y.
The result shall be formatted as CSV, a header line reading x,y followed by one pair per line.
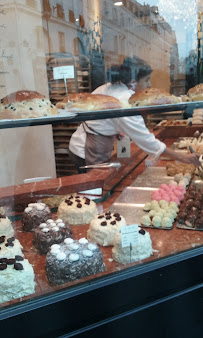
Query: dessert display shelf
x,y
100,114
172,250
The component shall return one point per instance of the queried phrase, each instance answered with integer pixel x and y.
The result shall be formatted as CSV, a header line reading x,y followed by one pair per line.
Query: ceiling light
x,y
118,3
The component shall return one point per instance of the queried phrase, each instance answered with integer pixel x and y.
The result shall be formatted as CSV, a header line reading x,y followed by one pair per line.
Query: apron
x,y
98,148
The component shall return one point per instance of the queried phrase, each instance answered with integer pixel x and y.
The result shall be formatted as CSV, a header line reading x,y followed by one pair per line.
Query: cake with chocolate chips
x,y
73,260
49,233
139,251
77,210
104,227
6,228
16,278
10,247
34,215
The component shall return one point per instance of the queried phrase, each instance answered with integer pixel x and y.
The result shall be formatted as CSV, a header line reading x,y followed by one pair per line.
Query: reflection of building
x,y
22,58
108,33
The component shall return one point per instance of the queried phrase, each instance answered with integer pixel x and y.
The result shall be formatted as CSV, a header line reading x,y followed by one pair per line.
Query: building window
x,y
115,44
60,11
31,3
61,36
39,37
71,16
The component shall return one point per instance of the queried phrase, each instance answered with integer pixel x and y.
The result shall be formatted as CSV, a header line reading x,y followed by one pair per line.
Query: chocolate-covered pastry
x,y
49,233
190,221
34,215
182,217
199,223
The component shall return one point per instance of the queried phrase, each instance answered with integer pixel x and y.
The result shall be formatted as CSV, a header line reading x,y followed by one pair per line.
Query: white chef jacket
x,y
132,126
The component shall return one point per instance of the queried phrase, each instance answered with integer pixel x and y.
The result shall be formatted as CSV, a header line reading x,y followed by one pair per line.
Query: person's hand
x,y
120,136
190,159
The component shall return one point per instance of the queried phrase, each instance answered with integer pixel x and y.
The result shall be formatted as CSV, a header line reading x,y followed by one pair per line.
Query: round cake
x,y
51,232
73,260
77,210
34,215
104,227
6,228
141,250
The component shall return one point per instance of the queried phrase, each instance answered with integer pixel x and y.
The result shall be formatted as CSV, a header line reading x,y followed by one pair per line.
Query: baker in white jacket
x,y
93,141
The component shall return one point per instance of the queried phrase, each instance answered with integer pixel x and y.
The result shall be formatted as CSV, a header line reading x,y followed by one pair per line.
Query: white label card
x,y
129,235
65,72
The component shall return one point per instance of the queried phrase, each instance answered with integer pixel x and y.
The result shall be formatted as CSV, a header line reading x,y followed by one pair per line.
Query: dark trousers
x,y
78,161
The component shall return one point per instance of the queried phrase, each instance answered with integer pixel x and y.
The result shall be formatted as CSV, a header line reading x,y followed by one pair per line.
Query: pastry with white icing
x,y
6,228
16,278
49,233
71,260
77,210
35,214
141,250
104,227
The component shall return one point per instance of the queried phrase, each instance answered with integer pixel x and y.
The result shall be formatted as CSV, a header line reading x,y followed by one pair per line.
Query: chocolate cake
x,y
73,260
34,215
51,232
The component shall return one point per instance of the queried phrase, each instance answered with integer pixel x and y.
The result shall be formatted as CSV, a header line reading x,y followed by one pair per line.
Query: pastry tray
x,y
199,184
133,198
175,123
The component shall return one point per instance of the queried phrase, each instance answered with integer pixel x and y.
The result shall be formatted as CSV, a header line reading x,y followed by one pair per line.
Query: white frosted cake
x,y
77,210
16,278
73,260
141,250
104,227
6,228
10,247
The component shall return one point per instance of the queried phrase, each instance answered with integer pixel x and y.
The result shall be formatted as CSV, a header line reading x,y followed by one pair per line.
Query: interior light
x,y
76,19
118,3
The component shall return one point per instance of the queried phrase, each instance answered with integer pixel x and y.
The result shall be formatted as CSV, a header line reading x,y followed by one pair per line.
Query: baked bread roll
x,y
152,96
196,93
90,102
26,104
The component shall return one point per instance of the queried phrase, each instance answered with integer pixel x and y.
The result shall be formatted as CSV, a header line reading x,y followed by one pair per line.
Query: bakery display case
x,y
64,261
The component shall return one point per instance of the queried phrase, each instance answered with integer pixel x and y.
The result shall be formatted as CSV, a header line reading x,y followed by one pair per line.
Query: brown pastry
x,y
26,104
152,96
196,93
90,102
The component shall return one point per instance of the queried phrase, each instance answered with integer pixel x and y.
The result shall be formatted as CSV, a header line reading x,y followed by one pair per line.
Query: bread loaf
x,y
196,93
152,96
26,104
90,102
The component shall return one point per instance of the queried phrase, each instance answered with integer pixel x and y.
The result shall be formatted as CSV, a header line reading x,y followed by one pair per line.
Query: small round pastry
x,y
145,220
6,228
173,205
49,233
152,213
34,215
154,204
160,215
156,221
166,222
199,223
104,227
141,250
77,210
172,182
71,260
147,207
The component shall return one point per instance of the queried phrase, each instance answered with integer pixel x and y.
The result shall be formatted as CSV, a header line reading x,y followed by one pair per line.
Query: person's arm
x,y
136,129
182,157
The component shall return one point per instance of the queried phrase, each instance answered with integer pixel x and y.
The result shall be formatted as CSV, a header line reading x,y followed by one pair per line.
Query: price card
x,y
65,72
129,235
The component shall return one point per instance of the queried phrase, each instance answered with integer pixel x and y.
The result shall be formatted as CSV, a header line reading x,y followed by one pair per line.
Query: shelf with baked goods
x,y
175,249
78,116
